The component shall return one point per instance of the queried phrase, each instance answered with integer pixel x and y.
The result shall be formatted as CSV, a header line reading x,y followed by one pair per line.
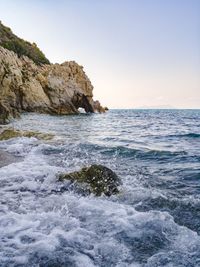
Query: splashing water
x,y
154,221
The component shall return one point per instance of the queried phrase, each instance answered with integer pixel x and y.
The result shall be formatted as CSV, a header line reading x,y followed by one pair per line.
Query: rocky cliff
x,y
47,88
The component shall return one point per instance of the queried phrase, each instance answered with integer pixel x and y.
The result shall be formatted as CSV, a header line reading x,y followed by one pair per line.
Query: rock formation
x,y
7,158
47,88
11,133
100,179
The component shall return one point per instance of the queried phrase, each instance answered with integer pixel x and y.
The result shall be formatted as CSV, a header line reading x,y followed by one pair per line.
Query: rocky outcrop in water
x,y
12,133
47,88
100,179
7,158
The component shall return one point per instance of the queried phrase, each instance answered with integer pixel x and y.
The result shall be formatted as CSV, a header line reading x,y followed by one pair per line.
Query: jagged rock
x,y
101,180
46,88
98,107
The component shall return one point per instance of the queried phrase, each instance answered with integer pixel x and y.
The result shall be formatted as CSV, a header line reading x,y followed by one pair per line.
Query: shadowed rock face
x,y
4,113
101,180
55,89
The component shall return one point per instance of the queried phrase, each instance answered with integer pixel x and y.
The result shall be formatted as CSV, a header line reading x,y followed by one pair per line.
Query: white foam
x,y
36,220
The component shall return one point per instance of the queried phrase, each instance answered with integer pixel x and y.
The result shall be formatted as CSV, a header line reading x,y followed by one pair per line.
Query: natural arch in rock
x,y
82,101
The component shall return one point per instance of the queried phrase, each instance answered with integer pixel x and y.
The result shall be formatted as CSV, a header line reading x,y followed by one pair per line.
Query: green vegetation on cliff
x,y
10,41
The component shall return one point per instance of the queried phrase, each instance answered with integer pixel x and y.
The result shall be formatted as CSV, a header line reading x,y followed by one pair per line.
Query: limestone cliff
x,y
46,88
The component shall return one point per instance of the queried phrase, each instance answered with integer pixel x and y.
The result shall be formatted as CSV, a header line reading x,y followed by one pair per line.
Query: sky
x,y
137,53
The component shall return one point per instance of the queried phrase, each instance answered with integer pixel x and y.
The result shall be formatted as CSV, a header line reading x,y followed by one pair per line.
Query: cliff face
x,y
28,82
46,88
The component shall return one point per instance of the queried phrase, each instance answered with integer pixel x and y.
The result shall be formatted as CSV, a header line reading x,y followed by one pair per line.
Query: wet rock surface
x,y
12,133
7,158
100,179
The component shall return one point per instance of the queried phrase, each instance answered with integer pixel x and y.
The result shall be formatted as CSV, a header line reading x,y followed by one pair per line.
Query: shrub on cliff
x,y
21,47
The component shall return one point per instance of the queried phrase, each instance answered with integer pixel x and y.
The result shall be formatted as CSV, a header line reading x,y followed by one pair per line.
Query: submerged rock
x,y
11,133
7,158
101,180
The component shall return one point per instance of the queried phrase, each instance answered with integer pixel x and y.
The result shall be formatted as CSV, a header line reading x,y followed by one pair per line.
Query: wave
x,y
188,135
185,211
126,152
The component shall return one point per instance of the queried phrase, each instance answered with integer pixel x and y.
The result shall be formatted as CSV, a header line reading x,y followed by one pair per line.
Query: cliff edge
x,y
28,85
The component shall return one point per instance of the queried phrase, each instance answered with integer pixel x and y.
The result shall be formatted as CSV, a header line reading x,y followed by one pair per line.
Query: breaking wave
x,y
154,221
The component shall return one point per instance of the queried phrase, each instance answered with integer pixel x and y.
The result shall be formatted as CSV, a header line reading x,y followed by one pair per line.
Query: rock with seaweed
x,y
12,133
100,179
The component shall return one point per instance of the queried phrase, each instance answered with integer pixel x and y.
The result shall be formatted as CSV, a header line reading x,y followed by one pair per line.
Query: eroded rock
x,y
101,180
52,88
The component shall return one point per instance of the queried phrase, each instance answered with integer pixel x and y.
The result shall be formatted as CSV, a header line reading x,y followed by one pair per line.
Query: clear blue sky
x,y
136,52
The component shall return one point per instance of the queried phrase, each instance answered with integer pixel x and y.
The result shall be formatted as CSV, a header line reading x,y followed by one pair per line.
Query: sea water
x,y
154,221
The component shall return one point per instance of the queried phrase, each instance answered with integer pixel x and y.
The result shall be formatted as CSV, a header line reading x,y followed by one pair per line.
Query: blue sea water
x,y
153,222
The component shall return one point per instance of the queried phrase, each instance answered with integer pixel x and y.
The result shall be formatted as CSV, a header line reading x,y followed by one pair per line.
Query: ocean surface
x,y
153,222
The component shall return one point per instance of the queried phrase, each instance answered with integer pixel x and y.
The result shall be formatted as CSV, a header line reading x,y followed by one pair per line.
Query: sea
x,y
155,219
